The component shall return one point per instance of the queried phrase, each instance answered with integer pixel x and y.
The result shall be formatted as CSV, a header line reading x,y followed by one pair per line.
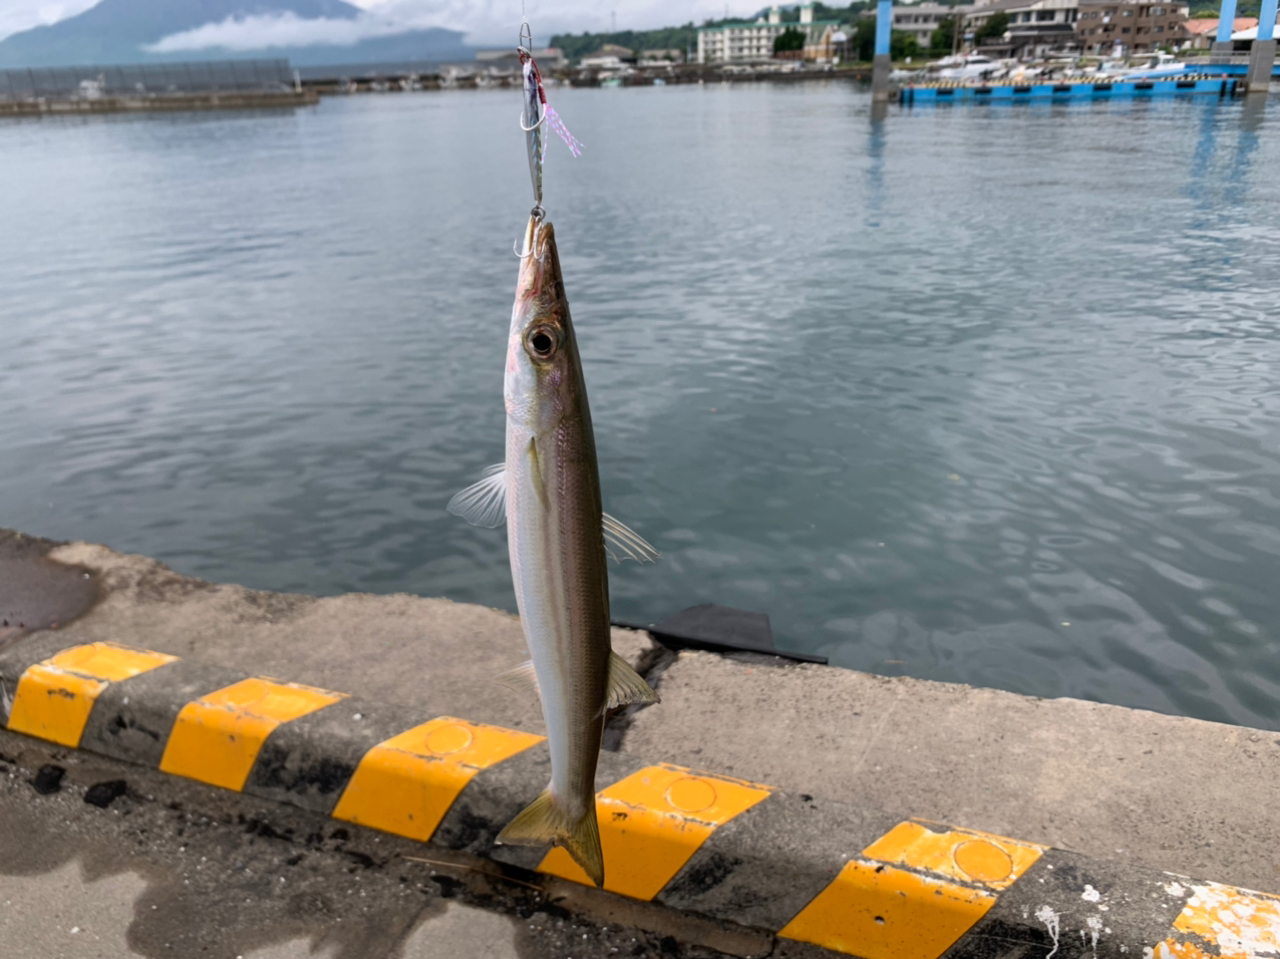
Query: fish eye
x,y
542,340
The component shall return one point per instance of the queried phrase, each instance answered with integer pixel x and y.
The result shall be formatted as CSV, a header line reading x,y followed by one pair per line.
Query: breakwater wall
x,y
161,102
863,815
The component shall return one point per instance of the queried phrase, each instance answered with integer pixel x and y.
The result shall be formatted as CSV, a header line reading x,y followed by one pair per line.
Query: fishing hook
x,y
535,126
539,214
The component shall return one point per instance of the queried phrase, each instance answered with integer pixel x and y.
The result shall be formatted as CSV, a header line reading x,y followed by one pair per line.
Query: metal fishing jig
x,y
535,116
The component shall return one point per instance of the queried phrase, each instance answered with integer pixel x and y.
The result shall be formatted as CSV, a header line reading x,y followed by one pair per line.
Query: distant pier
x,y
45,106
215,85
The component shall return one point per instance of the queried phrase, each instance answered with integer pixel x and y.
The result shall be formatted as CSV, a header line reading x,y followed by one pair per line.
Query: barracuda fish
x,y
558,537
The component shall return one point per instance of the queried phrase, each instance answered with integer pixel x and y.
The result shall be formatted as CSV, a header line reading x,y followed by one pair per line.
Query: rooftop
x,y
1201,25
739,25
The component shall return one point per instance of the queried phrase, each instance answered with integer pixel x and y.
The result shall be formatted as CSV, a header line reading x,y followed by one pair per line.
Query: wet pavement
x,y
36,592
159,867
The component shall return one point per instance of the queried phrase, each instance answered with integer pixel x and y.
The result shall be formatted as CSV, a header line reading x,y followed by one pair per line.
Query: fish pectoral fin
x,y
621,542
544,821
523,679
626,685
483,503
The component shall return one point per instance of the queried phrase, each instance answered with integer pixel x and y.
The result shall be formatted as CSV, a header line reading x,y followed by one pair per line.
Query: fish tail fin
x,y
546,821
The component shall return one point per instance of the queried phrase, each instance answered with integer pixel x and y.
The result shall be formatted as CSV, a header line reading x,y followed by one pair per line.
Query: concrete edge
x,y
851,880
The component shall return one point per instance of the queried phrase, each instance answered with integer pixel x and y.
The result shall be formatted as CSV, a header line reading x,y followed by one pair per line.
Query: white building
x,y
921,19
745,42
609,57
1028,12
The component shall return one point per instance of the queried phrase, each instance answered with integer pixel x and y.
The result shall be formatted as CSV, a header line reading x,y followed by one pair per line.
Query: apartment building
x,y
1036,28
746,42
1107,26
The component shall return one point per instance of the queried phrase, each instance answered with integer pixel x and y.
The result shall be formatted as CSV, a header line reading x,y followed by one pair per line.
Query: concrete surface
x,y
176,869
1119,784
36,592
1167,792
397,649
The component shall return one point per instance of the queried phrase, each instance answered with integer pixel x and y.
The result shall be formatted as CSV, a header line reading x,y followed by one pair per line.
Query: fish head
x,y
543,381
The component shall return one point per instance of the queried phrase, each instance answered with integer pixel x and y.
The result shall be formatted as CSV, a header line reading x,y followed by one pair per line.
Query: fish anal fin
x,y
545,821
626,685
621,542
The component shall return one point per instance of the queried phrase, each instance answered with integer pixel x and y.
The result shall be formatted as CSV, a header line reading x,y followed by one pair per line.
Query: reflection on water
x,y
983,395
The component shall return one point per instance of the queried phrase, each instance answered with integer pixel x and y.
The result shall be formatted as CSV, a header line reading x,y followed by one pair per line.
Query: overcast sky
x,y
485,21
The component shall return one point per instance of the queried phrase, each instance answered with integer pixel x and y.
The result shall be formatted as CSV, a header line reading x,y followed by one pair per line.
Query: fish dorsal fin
x,y
483,503
626,685
621,542
522,679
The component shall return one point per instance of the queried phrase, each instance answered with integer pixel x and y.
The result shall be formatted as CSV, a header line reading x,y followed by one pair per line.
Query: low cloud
x,y
280,30
484,22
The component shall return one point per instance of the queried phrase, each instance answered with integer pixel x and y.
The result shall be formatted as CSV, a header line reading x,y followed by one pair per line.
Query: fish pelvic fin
x,y
545,821
626,685
523,679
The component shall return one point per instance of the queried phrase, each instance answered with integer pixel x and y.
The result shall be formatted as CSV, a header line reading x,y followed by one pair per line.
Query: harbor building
x,y
1107,26
609,57
1037,28
747,42
921,19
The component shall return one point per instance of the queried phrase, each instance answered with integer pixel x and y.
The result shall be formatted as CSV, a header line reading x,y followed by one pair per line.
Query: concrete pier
x,y
1121,794
1262,60
1262,57
882,65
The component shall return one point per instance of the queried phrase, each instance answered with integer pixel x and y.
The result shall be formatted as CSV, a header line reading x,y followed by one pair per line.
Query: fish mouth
x,y
539,236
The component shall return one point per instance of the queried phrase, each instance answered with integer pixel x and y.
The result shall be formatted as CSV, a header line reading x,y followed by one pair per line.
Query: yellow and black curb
x,y
855,882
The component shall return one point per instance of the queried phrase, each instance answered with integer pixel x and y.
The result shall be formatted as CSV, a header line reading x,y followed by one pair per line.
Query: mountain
x,y
116,31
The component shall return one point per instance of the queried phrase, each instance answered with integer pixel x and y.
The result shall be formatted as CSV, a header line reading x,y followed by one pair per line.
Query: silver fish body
x,y
556,530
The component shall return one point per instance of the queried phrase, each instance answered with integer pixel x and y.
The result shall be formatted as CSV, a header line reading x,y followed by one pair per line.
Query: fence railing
x,y
150,79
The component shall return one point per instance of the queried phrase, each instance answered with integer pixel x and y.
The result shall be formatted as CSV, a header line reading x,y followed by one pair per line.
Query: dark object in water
x,y
719,628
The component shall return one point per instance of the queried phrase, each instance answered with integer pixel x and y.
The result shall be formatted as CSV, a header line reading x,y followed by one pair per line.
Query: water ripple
x,y
975,395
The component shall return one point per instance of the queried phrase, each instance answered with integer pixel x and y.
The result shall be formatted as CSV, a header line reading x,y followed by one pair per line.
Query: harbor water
x,y
983,395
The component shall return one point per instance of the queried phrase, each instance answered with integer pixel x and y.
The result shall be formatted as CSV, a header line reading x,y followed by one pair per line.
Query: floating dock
x,y
1073,89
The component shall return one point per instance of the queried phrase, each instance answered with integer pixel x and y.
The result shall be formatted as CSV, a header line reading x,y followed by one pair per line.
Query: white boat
x,y
972,67
1160,64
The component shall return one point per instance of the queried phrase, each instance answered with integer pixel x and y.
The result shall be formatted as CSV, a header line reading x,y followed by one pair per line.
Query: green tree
x,y
788,40
993,29
863,43
942,40
864,39
903,44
